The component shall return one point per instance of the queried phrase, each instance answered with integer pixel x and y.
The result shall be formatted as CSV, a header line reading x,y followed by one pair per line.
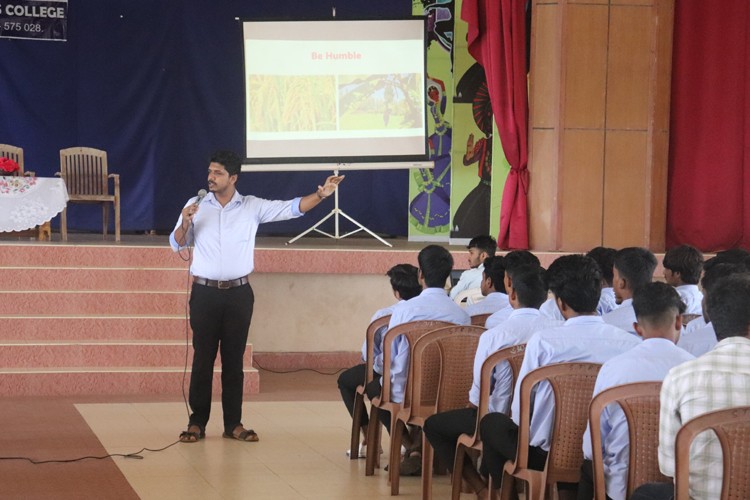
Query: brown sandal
x,y
247,435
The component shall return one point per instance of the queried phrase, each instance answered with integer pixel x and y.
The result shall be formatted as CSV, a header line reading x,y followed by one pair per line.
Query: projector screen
x,y
335,91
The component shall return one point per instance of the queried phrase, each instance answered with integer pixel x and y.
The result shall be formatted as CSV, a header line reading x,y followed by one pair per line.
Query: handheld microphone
x,y
201,194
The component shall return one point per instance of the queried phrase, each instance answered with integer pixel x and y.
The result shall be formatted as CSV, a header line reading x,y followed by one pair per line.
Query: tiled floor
x,y
300,453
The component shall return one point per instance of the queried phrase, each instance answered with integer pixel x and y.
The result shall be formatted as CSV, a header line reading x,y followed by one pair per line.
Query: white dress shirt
x,y
579,339
224,237
696,324
517,329
498,317
651,360
471,278
491,304
378,338
623,317
692,297
550,310
699,341
431,304
607,301
717,380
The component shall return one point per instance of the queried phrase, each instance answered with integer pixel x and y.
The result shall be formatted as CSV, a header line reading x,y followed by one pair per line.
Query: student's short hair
x,y
229,159
494,268
605,258
727,306
686,260
484,243
530,285
731,256
436,264
577,281
404,280
636,265
716,272
657,303
518,258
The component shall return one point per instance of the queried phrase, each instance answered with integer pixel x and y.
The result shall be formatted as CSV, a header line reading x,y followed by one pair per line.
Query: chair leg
x,y
373,441
105,218
64,224
507,488
359,402
117,218
427,458
394,470
456,477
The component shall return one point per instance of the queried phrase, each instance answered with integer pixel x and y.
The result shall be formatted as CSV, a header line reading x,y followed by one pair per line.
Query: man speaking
x,y
222,226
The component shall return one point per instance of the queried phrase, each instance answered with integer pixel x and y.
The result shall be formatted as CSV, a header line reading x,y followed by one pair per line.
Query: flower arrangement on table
x,y
8,166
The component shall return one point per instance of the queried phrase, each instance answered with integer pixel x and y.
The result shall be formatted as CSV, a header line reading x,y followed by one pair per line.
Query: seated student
x,y
699,341
633,267
575,281
605,257
659,310
493,288
527,292
433,303
405,285
717,380
682,269
480,247
512,260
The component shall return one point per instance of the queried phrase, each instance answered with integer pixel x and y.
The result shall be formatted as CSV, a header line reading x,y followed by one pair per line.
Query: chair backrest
x,y
572,386
480,319
732,428
441,368
413,330
513,355
14,153
470,294
372,329
640,404
84,171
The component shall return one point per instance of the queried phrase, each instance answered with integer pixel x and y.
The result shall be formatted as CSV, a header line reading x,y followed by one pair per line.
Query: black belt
x,y
223,285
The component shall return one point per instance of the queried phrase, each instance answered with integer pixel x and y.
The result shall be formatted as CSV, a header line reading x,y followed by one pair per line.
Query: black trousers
x,y
443,430
499,444
220,319
586,484
348,382
373,390
654,491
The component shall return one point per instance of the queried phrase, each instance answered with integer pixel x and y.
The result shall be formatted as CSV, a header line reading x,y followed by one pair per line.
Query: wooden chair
x,y
572,386
413,330
15,154
480,319
359,395
640,403
513,355
440,375
84,171
732,428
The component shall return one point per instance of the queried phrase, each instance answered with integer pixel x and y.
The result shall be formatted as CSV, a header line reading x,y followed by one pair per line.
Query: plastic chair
x,y
640,404
359,395
732,428
572,386
440,375
480,319
413,330
514,356
84,171
468,296
15,154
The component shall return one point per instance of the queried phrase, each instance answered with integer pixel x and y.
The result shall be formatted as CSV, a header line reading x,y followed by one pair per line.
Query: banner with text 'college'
x,y
34,19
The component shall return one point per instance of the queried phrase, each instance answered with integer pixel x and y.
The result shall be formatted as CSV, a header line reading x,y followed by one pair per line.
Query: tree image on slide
x,y
378,102
280,103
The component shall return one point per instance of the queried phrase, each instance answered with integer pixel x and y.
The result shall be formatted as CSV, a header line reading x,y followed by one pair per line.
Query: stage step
x,y
98,381
96,319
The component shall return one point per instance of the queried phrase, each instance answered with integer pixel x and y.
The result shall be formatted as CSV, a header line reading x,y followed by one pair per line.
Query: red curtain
x,y
709,164
497,40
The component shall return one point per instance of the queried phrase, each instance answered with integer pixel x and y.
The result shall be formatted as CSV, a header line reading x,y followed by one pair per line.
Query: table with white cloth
x,y
31,203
